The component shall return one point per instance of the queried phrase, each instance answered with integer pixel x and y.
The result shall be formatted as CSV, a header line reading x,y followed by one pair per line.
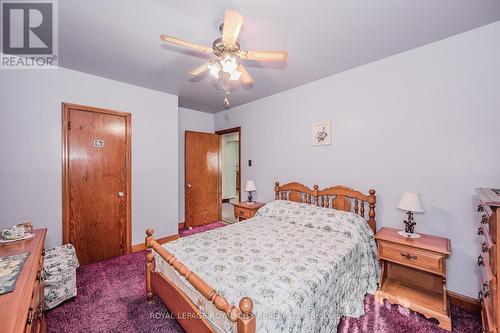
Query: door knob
x,y
188,185
121,194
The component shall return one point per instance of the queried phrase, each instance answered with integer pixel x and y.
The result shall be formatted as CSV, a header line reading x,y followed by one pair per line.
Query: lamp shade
x,y
250,186
411,202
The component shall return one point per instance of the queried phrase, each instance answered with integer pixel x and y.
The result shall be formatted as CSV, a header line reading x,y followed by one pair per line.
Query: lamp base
x,y
408,235
250,197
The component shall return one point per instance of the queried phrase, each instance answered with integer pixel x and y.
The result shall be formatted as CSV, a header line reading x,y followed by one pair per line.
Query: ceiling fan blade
x,y
199,70
184,43
245,76
232,26
265,55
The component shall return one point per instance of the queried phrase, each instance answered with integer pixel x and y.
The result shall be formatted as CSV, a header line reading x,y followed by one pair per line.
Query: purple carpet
x,y
200,228
386,318
112,298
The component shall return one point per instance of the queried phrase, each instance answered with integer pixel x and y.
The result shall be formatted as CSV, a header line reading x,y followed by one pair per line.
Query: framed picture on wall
x,y
321,134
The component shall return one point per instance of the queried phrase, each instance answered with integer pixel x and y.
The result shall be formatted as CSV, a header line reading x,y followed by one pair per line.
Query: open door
x,y
202,185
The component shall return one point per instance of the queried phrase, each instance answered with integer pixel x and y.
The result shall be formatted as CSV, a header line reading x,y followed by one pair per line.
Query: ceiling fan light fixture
x,y
235,76
228,64
214,69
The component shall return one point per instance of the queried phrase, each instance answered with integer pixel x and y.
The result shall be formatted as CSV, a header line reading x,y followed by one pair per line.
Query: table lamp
x,y
411,203
250,187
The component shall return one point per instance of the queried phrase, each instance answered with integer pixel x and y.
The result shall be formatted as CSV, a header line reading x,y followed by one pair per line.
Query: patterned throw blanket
x,y
59,270
304,266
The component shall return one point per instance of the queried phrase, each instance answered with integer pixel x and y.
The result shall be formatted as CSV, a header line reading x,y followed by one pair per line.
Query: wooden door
x,y
96,182
202,182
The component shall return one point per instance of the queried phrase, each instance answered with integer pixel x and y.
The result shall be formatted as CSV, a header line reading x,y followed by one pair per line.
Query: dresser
x,y
22,309
488,229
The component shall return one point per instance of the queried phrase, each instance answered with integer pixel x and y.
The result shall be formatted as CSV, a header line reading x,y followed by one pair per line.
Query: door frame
x,y
65,108
220,133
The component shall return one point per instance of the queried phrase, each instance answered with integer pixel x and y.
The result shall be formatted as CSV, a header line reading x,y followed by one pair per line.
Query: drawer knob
x,y
484,248
484,219
29,320
480,261
408,256
39,312
479,231
486,290
480,208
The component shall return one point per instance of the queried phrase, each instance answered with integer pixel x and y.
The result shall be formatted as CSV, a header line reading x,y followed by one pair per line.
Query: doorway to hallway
x,y
230,172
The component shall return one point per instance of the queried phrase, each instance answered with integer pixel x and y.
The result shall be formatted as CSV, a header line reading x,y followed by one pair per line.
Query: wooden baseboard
x,y
181,225
465,302
163,240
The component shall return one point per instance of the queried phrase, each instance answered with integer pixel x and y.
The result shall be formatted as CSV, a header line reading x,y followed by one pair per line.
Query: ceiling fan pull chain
x,y
226,99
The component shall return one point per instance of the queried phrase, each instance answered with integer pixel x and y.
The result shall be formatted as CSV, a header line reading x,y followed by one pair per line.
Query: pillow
x,y
310,215
284,208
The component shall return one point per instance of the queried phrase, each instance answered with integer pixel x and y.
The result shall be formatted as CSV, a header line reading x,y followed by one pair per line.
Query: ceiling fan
x,y
227,66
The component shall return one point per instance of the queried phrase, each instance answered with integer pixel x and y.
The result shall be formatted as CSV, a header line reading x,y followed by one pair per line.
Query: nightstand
x,y
414,273
244,210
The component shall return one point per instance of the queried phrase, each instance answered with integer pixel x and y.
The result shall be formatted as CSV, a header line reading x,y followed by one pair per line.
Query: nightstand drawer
x,y
246,210
409,256
241,212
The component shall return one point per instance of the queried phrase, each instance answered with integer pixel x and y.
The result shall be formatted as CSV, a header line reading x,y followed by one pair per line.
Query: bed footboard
x,y
188,315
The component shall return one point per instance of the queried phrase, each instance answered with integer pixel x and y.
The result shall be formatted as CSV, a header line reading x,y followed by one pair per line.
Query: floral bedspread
x,y
303,266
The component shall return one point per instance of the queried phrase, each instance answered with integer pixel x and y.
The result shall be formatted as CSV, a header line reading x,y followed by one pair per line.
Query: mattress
x,y
303,266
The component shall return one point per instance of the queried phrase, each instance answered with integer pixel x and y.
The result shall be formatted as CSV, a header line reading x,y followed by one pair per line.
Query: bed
x,y
304,261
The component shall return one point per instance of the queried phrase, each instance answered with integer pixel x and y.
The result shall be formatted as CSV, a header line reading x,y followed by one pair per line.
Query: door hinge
x,y
69,125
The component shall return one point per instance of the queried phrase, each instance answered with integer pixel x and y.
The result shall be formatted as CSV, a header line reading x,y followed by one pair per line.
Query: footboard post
x,y
246,319
149,263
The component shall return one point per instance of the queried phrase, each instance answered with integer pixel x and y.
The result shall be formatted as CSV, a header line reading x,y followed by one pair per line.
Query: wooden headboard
x,y
337,197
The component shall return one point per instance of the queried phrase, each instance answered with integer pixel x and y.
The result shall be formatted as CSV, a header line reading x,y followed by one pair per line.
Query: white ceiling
x,y
118,39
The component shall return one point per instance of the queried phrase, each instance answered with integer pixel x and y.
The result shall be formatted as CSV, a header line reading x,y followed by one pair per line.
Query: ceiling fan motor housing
x,y
220,47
